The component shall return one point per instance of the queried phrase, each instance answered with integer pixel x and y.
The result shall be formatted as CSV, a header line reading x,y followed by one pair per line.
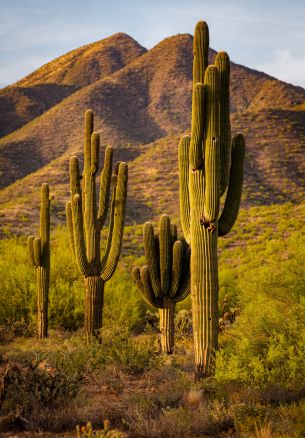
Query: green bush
x,y
266,345
66,296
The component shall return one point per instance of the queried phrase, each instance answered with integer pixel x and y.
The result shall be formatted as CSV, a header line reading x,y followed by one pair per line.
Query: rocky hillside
x,y
142,102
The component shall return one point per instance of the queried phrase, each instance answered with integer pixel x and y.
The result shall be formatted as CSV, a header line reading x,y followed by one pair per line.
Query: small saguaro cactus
x,y
86,218
39,256
166,278
209,165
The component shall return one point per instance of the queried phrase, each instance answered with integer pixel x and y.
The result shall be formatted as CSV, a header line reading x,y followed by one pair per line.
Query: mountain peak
x,y
142,104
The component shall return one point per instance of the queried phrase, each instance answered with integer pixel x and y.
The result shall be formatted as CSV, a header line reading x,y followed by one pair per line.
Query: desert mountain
x,y
53,82
142,103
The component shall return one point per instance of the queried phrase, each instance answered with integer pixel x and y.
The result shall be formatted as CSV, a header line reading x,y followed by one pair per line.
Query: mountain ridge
x,y
142,109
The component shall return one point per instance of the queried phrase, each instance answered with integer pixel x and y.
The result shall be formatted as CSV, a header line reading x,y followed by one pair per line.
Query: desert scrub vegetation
x,y
258,385
266,345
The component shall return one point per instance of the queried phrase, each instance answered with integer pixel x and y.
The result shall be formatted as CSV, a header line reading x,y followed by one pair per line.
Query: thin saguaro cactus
x,y
39,256
86,217
210,165
166,278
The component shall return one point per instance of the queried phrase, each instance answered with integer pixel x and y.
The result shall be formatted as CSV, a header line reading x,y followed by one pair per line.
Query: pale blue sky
x,y
265,35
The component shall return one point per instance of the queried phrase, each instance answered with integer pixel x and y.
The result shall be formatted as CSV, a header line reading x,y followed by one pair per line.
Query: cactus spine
x,y
39,256
86,218
209,164
166,278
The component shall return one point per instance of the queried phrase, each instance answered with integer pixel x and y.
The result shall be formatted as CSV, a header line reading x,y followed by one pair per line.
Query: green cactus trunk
x,y
39,256
94,299
204,293
42,287
209,166
86,217
167,325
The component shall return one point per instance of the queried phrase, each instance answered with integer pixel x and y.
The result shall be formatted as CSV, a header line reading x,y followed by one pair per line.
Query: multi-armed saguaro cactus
x,y
86,218
209,164
39,255
166,278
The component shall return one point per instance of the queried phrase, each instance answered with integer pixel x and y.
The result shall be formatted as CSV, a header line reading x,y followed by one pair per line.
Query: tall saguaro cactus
x,y
39,256
86,218
166,278
209,165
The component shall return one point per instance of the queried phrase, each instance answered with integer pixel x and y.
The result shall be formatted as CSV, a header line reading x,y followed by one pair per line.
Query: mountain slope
x,y
53,82
142,109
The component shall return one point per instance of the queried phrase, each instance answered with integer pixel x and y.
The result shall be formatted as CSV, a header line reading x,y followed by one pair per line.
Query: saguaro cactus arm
x,y
30,246
89,126
92,238
212,154
177,267
151,249
118,226
201,49
45,219
185,283
196,153
70,226
222,63
105,183
232,202
111,220
37,251
184,194
77,217
165,250
142,280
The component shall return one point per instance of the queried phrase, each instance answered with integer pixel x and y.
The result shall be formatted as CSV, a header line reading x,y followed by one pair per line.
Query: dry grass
x,y
162,401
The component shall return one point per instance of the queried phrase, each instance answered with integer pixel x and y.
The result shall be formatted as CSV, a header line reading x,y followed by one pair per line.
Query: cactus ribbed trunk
x,y
204,280
39,256
86,217
94,299
167,325
42,300
209,166
204,292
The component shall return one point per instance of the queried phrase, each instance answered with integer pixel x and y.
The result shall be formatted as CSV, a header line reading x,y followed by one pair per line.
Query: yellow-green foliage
x,y
266,344
17,281
264,347
18,299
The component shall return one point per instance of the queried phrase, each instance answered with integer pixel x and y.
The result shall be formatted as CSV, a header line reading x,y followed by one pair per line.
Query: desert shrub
x,y
183,324
266,344
123,303
66,296
16,280
32,380
129,354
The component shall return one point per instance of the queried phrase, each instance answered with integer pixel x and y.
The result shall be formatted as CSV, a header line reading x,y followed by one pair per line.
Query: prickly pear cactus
x,y
166,278
210,165
86,217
